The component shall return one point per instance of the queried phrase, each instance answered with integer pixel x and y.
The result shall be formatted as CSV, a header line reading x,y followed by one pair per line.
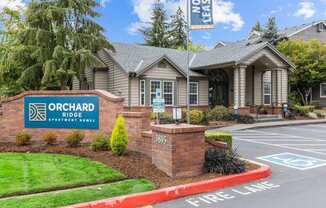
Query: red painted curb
x,y
170,193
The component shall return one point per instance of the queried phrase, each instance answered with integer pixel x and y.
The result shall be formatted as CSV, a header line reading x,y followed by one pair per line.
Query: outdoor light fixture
x,y
177,114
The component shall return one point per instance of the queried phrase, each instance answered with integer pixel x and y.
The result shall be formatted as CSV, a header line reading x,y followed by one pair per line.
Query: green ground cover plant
x,y
222,137
25,173
86,194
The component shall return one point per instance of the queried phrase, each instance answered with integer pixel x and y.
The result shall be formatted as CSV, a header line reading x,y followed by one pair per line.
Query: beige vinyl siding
x,y
101,80
117,78
89,74
162,73
269,54
75,83
203,92
182,92
134,94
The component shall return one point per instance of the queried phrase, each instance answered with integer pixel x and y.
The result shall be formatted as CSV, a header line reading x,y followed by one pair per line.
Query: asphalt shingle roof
x,y
136,58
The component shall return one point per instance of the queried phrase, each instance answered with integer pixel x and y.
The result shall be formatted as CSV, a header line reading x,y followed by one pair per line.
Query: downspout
x,y
129,92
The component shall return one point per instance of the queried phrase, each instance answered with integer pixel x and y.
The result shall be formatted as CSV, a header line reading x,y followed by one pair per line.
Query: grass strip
x,y
69,197
26,173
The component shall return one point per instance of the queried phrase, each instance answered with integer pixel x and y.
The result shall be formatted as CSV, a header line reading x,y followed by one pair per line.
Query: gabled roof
x,y
137,59
289,32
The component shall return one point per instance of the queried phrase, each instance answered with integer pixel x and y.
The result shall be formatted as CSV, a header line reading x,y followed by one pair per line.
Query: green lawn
x,y
22,173
49,200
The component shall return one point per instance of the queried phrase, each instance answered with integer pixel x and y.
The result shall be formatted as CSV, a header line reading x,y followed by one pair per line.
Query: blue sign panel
x,y
291,160
201,14
67,112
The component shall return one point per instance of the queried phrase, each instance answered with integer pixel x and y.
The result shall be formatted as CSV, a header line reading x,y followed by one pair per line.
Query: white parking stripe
x,y
304,144
281,146
306,129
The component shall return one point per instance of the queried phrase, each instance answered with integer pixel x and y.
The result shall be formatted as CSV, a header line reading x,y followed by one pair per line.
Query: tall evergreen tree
x,y
178,30
62,37
257,27
271,31
157,34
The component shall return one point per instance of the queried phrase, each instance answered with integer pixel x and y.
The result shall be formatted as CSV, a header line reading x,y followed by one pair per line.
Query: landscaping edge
x,y
170,193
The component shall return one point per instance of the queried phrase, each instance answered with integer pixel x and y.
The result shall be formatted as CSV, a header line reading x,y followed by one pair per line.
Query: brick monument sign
x,y
178,150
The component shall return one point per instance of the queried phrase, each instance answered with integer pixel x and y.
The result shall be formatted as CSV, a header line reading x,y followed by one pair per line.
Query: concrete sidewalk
x,y
268,124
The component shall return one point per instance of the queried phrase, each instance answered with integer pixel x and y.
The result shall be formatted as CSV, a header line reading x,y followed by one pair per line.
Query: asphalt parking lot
x,y
297,156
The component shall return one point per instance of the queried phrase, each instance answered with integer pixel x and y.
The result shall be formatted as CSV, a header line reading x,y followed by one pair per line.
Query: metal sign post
x,y
199,17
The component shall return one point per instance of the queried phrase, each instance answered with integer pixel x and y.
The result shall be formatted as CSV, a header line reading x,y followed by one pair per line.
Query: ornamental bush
x,y
303,110
222,137
74,139
196,116
217,113
100,142
23,138
49,137
222,162
119,137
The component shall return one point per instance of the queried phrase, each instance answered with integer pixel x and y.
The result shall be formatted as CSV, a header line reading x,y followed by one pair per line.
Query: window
x,y
167,88
323,90
154,85
193,93
142,92
267,88
168,92
320,27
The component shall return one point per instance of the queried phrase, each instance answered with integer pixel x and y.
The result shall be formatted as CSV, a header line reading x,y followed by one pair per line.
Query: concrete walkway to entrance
x,y
238,127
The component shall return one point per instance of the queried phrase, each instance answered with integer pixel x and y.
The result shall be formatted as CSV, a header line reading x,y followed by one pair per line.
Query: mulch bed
x,y
132,164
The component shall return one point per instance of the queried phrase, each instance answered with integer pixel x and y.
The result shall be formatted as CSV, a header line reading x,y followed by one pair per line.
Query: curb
x,y
170,193
271,125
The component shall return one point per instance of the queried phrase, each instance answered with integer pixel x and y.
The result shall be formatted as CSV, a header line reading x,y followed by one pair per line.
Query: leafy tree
x,y
193,47
61,38
310,60
119,137
13,56
178,30
157,33
271,31
257,27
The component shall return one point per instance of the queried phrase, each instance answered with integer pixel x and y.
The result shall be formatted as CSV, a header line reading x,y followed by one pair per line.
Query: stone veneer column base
x,y
179,150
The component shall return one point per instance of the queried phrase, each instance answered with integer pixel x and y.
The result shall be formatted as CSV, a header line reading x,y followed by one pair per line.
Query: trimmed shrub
x,y
74,139
100,142
246,119
165,118
262,110
303,110
217,113
196,116
119,137
23,138
220,136
49,137
222,162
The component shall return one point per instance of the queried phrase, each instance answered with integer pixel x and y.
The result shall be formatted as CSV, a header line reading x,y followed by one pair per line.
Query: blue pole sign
x,y
201,14
67,112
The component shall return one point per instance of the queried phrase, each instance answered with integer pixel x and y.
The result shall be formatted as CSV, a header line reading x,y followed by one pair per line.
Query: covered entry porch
x,y
258,81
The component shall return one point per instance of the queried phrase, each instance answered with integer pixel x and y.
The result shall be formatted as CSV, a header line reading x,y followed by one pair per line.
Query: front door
x,y
218,88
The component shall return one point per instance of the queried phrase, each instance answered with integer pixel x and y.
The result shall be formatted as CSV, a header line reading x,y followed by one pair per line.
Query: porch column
x,y
274,87
242,85
236,87
279,87
283,85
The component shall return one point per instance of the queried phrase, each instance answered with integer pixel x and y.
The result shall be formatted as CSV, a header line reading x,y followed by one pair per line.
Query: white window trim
x,y
321,96
172,93
197,94
150,89
142,93
270,94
